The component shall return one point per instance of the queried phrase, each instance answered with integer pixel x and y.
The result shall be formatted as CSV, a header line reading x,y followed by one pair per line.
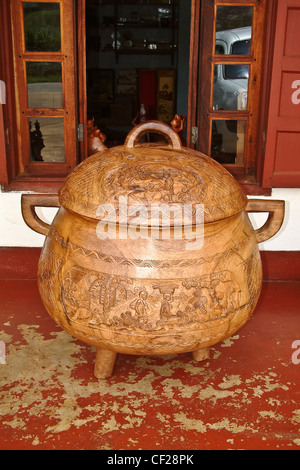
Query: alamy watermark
x,y
2,92
296,354
155,221
2,352
296,94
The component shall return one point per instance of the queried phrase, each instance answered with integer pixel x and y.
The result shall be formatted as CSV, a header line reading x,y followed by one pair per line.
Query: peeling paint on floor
x,y
246,396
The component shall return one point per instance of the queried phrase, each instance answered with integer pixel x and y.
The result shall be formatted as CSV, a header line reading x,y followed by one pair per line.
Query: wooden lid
x,y
151,175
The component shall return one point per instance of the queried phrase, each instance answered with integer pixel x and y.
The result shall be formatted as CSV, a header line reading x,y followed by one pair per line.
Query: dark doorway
x,y
137,59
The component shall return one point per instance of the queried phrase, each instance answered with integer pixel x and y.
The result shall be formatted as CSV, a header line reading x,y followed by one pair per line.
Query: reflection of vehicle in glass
x,y
231,80
230,93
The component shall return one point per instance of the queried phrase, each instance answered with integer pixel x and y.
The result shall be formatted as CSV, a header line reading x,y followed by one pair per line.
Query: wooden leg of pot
x,y
105,361
201,354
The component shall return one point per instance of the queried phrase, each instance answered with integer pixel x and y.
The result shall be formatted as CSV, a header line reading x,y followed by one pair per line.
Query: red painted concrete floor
x,y
246,396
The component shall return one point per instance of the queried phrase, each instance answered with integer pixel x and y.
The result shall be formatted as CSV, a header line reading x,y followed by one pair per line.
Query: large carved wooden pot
x,y
146,286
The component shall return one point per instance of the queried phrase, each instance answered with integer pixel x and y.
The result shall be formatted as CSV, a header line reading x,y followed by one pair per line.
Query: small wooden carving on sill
x,y
96,139
141,292
178,125
36,142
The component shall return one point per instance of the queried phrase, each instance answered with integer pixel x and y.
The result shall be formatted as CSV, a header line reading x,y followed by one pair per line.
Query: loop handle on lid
x,y
150,127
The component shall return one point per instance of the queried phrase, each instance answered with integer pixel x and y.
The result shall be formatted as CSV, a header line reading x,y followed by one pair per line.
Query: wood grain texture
x,y
28,204
275,208
153,294
152,175
105,362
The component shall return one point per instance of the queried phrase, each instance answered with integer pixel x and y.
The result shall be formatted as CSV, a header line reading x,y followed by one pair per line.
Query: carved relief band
x,y
162,312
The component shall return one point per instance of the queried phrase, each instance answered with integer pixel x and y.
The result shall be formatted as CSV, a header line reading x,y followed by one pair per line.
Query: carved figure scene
x,y
89,296
104,299
148,182
214,296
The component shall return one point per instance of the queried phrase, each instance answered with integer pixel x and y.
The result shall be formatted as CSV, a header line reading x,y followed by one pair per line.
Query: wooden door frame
x,y
67,58
194,60
8,147
81,76
280,122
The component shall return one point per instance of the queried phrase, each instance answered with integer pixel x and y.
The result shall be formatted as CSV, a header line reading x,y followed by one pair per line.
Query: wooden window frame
x,y
10,177
202,60
16,170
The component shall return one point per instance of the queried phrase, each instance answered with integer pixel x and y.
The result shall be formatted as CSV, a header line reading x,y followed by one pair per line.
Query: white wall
x,y
14,231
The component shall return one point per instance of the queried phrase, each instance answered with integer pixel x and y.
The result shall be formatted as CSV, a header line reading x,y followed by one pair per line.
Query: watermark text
x,y
296,354
154,221
2,352
2,92
296,94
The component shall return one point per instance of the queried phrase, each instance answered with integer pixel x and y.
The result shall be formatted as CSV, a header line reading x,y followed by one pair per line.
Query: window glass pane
x,y
47,141
227,141
233,30
44,85
231,17
230,86
42,26
241,47
236,71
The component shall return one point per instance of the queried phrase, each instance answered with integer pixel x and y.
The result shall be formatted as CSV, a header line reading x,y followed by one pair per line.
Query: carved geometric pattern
x,y
147,263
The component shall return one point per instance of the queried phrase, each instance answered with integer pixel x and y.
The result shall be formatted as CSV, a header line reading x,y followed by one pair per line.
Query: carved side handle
x,y
274,220
28,204
153,126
